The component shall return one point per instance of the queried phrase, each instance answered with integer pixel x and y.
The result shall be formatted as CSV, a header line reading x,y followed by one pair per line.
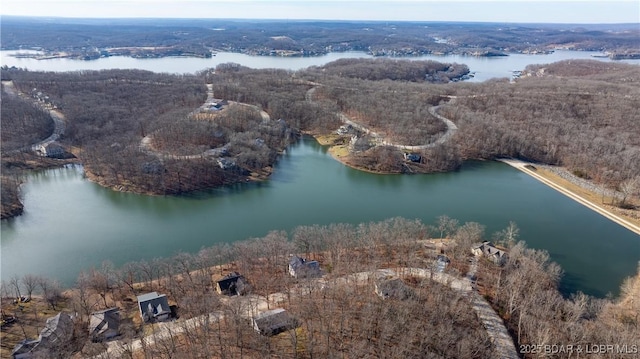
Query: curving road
x,y
56,116
147,147
433,110
251,305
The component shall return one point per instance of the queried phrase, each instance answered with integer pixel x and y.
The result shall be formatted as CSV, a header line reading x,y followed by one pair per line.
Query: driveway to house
x,y
251,305
56,116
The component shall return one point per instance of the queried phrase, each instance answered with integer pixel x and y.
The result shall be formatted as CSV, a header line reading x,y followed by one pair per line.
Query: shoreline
x,y
520,165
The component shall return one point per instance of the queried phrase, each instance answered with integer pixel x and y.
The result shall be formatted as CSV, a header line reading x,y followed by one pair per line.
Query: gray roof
x,y
56,332
489,250
103,321
232,284
274,321
152,305
300,267
59,327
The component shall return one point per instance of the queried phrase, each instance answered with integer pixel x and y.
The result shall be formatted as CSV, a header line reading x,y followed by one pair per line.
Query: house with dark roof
x,y
412,157
25,349
273,322
52,149
392,288
488,250
154,307
57,332
302,268
232,284
104,325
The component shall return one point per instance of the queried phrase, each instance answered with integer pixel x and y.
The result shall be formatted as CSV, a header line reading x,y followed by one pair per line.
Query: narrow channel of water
x,y
71,224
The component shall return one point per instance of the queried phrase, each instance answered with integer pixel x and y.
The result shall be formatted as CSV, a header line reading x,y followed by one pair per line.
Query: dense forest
x,y
145,132
340,315
582,115
93,38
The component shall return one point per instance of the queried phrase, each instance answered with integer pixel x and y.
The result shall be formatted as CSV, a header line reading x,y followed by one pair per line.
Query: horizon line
x,y
314,20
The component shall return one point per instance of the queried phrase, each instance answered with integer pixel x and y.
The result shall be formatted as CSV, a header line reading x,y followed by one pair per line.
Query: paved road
x,y
379,139
147,147
249,306
56,116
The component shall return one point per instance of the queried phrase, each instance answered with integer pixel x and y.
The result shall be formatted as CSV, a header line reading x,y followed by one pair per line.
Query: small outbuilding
x,y
302,268
273,322
232,284
104,325
154,307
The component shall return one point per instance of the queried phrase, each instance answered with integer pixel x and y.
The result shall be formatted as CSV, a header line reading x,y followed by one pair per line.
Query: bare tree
x,y
30,283
628,189
447,226
51,290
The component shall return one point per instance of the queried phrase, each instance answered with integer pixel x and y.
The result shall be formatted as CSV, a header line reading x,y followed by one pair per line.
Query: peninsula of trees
x,y
152,133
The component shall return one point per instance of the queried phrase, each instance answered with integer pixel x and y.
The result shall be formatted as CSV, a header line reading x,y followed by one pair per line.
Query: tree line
x,y
310,38
346,320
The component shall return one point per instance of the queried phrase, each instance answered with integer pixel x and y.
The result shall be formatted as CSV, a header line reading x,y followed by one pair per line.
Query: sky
x,y
520,11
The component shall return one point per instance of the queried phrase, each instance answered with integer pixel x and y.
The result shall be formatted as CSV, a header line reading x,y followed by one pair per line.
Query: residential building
x,y
302,268
232,284
273,322
154,307
104,325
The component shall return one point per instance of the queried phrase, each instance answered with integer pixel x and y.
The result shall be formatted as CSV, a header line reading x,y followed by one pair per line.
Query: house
x,y
392,288
154,307
488,250
57,332
232,284
412,157
441,263
273,322
217,152
104,325
53,150
226,163
25,349
302,268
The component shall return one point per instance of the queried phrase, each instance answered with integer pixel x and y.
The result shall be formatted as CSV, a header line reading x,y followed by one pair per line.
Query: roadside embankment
x,y
522,166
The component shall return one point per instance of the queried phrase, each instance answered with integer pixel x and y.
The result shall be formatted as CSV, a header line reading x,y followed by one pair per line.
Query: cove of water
x,y
71,224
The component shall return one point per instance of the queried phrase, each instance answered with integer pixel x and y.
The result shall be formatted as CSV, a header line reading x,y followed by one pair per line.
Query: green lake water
x,y
71,224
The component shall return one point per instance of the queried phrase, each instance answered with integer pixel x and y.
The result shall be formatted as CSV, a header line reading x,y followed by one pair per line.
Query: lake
x,y
484,67
71,224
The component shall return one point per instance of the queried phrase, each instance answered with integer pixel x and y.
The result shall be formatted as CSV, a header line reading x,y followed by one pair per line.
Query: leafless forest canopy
x,y
579,114
344,319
